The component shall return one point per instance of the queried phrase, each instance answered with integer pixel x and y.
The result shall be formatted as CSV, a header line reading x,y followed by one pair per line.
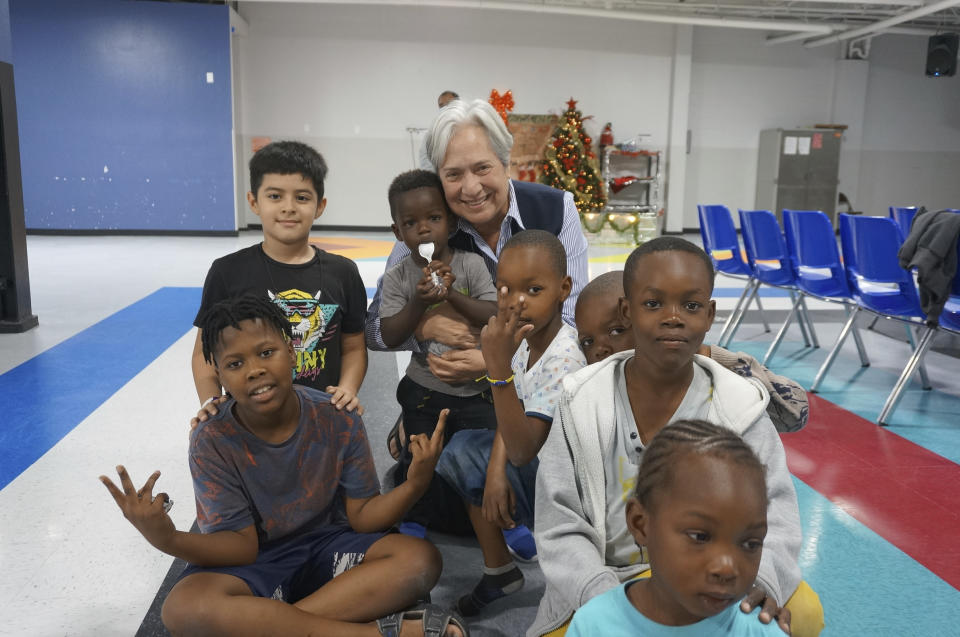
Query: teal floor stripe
x,y
927,418
868,586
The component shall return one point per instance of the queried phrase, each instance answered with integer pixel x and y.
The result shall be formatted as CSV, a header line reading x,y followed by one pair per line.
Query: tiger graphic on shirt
x,y
310,321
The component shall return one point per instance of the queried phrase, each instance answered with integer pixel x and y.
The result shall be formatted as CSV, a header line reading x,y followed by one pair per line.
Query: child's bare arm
x,y
396,329
205,376
499,500
147,515
477,312
353,368
522,435
208,385
380,512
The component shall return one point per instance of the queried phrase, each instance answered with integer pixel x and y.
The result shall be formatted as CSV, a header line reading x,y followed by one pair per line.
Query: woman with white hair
x,y
469,146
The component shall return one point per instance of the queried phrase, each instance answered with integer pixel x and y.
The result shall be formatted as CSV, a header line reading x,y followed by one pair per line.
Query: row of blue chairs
x,y
803,258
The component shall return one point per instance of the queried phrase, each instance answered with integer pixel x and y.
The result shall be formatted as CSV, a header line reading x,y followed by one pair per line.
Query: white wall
x,y
911,145
351,79
741,86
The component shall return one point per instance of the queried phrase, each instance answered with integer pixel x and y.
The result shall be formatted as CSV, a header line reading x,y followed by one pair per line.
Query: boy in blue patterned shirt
x,y
292,520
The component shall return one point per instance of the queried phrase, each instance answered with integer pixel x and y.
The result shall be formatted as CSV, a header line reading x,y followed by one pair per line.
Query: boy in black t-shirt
x,y
321,294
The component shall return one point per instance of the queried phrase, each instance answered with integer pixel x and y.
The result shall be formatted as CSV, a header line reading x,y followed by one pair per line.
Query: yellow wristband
x,y
500,383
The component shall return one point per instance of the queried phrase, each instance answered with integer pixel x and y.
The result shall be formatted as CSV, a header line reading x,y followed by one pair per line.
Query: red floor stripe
x,y
902,491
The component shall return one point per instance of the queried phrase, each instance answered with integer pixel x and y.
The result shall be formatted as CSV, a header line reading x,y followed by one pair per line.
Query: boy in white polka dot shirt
x,y
528,349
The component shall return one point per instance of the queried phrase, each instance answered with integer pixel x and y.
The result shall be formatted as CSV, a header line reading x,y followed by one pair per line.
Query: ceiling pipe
x,y
792,37
895,3
734,23
883,24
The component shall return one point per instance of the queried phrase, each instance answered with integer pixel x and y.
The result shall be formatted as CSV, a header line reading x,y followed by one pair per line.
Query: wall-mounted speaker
x,y
942,55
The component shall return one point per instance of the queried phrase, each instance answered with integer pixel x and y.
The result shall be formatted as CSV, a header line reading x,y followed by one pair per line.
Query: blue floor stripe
x,y
84,371
868,586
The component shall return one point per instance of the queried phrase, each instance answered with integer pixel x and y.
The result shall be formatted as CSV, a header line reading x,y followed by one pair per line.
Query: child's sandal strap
x,y
389,626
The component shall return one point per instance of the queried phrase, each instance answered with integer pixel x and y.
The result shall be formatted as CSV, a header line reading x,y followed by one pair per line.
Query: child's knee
x,y
184,610
418,559
190,608
806,612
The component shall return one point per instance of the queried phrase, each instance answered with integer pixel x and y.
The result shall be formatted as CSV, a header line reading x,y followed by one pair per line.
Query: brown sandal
x,y
394,440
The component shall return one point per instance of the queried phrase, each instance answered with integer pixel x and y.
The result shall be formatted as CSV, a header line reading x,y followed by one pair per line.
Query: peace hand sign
x,y
502,334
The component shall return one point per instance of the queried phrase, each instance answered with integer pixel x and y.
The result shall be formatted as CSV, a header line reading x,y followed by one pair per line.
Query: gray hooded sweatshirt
x,y
571,529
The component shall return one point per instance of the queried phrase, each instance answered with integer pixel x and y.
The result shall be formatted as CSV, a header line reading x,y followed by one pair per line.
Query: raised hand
x,y
146,513
429,292
502,335
426,451
445,274
499,500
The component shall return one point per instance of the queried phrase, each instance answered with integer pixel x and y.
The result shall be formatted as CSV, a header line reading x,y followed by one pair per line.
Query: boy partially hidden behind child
x,y
422,221
603,331
292,520
611,410
321,294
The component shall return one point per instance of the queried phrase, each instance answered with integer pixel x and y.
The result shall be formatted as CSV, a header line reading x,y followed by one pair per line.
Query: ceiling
x,y
814,22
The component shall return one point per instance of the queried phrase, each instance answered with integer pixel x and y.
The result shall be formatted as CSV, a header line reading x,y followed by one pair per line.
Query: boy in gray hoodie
x,y
609,411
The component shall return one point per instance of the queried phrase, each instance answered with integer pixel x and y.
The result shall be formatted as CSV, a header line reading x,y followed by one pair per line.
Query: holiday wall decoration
x,y
503,104
570,164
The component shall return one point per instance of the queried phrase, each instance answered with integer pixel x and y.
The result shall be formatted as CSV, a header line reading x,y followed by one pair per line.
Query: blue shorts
x,y
292,568
463,463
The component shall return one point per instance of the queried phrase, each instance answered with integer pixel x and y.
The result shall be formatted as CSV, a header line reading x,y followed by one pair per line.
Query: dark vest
x,y
541,208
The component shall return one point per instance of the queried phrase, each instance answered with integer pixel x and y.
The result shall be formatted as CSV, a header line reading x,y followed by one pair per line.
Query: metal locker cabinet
x,y
798,169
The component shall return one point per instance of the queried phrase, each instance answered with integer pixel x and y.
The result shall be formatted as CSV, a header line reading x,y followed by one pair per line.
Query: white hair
x,y
476,113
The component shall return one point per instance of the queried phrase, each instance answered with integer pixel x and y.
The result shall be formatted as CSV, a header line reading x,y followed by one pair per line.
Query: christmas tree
x,y
570,164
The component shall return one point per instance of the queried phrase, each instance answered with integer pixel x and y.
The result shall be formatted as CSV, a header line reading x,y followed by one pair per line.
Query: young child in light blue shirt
x,y
699,512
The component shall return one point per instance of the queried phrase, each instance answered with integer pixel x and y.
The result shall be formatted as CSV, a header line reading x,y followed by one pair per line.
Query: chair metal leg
x,y
783,330
763,319
821,374
739,316
806,319
736,308
915,361
924,380
864,360
873,322
800,322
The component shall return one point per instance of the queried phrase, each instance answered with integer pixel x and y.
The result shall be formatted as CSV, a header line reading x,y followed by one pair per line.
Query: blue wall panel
x,y
6,49
119,128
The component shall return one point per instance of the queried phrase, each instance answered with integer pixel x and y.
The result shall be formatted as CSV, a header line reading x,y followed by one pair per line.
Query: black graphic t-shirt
x,y
321,298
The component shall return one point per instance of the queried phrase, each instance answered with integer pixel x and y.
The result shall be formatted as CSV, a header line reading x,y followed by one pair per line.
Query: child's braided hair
x,y
682,437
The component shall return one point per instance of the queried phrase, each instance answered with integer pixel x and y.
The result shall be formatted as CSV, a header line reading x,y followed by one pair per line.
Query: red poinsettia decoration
x,y
503,104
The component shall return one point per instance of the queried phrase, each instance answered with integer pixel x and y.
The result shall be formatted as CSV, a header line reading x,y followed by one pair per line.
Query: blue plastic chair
x,y
949,320
719,237
883,288
820,272
903,216
767,252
